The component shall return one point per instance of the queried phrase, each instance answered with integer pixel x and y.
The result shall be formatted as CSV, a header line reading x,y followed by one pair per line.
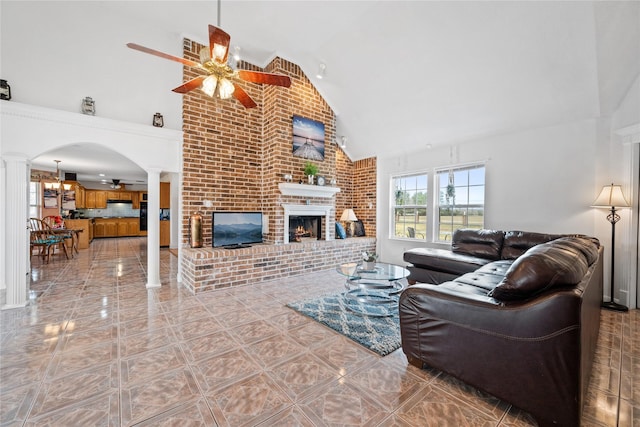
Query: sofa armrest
x,y
470,307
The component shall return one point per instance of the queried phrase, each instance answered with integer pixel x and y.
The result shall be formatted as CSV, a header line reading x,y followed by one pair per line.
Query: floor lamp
x,y
611,197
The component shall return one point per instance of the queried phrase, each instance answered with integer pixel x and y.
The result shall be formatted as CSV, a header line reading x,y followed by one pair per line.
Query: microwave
x,y
144,196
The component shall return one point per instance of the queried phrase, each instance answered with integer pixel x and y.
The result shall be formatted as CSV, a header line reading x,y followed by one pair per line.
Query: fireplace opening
x,y
303,228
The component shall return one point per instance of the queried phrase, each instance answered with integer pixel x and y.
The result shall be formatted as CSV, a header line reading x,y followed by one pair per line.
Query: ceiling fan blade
x,y
190,85
243,97
218,44
163,55
267,78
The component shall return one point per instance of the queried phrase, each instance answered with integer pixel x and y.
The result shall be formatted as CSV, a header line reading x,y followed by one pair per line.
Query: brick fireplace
x,y
310,218
236,159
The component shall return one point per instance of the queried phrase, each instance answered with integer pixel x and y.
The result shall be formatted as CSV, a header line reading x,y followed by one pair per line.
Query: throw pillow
x,y
340,233
358,228
557,263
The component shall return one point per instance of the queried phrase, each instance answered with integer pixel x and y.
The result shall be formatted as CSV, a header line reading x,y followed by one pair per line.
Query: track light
x,y
321,71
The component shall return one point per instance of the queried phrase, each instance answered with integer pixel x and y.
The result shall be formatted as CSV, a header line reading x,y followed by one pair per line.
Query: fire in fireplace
x,y
305,228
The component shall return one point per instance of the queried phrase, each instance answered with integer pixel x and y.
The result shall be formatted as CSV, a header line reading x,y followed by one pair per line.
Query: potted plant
x,y
369,260
310,170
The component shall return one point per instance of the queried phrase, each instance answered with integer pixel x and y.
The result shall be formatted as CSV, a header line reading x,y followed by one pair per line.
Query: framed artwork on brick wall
x,y
308,138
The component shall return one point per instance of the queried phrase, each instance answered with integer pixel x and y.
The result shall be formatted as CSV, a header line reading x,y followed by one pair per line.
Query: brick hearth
x,y
214,268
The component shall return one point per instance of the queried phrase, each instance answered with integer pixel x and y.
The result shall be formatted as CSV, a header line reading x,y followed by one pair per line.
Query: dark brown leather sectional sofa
x,y
514,313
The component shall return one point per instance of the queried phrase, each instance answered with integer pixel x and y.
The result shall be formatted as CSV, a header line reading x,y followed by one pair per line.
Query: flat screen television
x,y
236,229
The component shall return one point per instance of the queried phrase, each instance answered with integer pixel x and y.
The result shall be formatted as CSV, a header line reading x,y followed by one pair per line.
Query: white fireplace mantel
x,y
306,190
308,210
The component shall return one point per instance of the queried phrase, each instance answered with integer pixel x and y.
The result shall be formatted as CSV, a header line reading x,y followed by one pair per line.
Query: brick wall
x,y
364,193
236,157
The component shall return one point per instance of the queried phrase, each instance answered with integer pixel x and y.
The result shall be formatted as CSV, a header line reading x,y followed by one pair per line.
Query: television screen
x,y
236,228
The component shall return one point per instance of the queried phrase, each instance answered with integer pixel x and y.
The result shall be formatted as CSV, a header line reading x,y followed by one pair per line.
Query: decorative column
x,y
15,243
153,228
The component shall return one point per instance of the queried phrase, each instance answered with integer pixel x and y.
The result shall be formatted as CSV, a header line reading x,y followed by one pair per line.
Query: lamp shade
x,y
348,215
610,196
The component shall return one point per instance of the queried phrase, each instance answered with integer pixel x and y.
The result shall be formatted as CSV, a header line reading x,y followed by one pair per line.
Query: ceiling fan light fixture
x,y
219,51
204,55
209,85
225,89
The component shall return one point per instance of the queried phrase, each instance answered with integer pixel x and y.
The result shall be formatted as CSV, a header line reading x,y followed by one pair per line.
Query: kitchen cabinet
x,y
95,199
86,225
117,227
165,233
135,200
90,199
78,191
80,203
133,227
111,228
118,195
165,195
122,228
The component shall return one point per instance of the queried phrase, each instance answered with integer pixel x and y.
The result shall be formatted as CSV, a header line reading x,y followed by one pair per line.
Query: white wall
x,y
624,166
56,53
539,180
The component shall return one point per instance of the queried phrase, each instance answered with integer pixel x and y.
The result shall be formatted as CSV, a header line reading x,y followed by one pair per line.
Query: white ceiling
x,y
402,75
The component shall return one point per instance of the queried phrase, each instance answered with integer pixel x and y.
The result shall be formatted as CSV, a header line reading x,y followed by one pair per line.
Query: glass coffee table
x,y
373,292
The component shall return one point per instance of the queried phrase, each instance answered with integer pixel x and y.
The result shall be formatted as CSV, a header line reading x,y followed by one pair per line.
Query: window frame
x,y
433,203
453,169
37,207
393,206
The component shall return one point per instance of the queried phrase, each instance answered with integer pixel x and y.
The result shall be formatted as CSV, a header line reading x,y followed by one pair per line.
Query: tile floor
x,y
95,347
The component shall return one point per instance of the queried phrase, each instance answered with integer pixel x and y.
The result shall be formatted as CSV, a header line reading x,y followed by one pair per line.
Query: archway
x,y
28,132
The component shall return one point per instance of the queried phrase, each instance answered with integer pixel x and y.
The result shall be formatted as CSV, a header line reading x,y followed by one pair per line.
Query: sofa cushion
x,y
479,243
585,244
518,242
560,262
443,260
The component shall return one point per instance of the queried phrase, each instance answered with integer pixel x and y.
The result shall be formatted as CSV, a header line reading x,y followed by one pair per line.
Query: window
x,y
409,206
460,200
34,199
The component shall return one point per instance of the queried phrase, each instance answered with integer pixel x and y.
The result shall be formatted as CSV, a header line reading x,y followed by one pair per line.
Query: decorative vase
x,y
310,179
369,265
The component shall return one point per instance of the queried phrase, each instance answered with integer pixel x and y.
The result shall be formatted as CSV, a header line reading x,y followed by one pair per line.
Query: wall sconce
x,y
343,142
88,106
158,120
5,90
321,71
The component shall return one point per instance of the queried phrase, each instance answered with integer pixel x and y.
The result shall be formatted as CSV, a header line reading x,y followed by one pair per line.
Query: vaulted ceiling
x,y
402,75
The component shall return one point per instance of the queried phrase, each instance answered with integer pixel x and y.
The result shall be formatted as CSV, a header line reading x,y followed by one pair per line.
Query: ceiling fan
x,y
116,184
219,77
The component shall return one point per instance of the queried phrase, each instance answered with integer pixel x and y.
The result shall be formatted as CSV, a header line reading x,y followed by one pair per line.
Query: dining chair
x,y
43,239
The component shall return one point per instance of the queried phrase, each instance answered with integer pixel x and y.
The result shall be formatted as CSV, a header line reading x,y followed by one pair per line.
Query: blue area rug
x,y
379,331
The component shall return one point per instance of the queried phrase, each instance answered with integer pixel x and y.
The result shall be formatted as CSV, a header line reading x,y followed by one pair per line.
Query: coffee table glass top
x,y
382,271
